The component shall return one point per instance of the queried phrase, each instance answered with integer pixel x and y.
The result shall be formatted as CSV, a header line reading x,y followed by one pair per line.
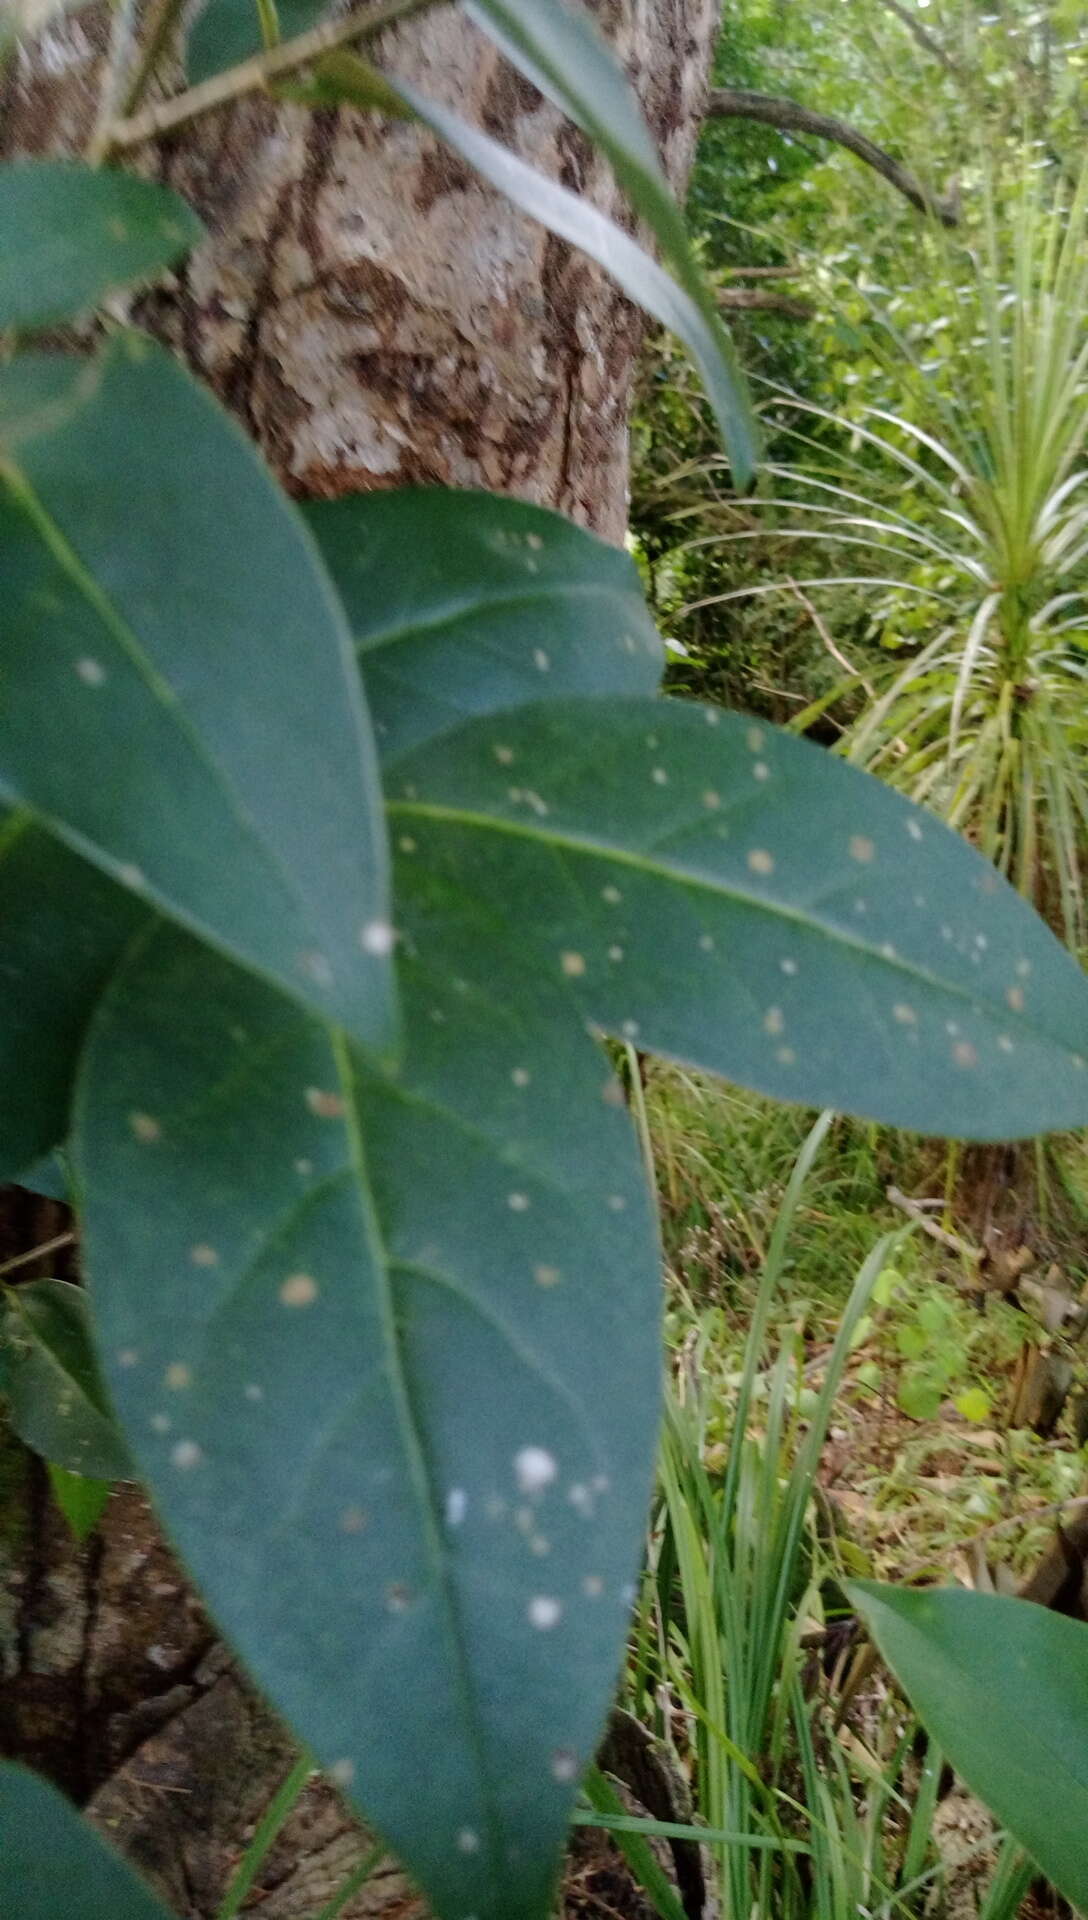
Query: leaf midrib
x,y
382,1267
575,842
473,607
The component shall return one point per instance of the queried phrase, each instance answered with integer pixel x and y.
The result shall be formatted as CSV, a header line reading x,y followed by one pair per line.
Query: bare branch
x,y
788,116
923,37
757,300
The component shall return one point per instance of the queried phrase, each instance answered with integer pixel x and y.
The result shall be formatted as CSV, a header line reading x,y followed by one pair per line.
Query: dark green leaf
x,y
387,1353
560,48
1002,1685
687,309
81,1500
69,235
728,894
65,925
498,596
180,702
228,31
52,1863
56,1401
48,1176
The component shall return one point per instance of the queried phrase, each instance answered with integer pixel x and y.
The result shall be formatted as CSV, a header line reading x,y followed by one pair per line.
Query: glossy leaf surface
x,y
691,316
354,1329
53,1863
69,235
733,896
50,1378
63,927
180,701
559,47
501,601
1002,1685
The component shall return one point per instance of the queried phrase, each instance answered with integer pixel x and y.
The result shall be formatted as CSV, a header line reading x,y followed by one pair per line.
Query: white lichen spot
x,y
1015,998
760,861
398,1597
712,800
186,1455
326,1106
564,1766
132,876
630,1029
660,777
253,1391
91,672
406,843
615,954
788,967
651,742
706,943
504,756
888,951
1005,1043
160,1423
521,1076
905,1015
177,1376
304,1168
468,1841
593,1586
616,1203
547,1276
573,965
352,1520
761,771
145,1128
581,1499
456,1506
128,1357
964,1054
524,1519
862,848
544,1612
981,942
316,967
539,1545
611,896
914,829
774,1021
518,1202
299,1290
535,1468
541,660
342,1772
378,938
711,717
202,1255
754,737
785,1056
612,1094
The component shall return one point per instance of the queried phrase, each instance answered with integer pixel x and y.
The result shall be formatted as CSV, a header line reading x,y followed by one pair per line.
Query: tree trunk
x,y
376,316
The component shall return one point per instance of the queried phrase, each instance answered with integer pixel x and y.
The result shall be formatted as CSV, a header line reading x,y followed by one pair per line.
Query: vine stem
x,y
249,76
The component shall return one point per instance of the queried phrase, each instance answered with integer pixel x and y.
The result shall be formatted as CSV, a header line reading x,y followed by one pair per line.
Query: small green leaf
x,y
69,235
920,1395
65,927
354,1328
80,1499
722,892
911,1342
181,707
228,31
56,1401
687,309
975,1405
501,601
1002,1685
560,48
53,1863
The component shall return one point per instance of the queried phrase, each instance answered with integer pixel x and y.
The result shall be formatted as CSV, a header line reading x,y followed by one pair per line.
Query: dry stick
x,y
38,1253
825,635
949,1240
788,116
251,75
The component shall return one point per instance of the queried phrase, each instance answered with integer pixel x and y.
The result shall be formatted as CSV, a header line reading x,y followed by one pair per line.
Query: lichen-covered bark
x,y
375,315
372,311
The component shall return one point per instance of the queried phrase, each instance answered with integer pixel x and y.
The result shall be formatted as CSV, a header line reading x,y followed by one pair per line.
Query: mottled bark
x,y
375,315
